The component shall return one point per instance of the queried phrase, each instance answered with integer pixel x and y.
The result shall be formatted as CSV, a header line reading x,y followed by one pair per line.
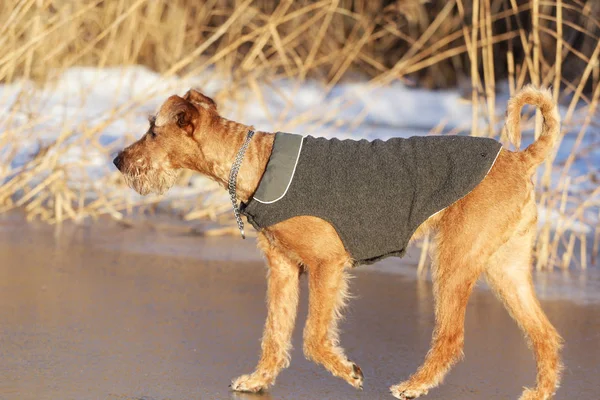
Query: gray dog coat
x,y
374,193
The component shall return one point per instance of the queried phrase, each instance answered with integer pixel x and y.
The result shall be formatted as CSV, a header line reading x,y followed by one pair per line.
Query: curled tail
x,y
536,152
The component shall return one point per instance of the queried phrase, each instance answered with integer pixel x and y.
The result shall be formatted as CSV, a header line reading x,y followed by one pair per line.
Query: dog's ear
x,y
194,96
186,116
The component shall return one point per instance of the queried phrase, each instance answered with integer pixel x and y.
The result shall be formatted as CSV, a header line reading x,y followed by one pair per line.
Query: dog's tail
x,y
536,152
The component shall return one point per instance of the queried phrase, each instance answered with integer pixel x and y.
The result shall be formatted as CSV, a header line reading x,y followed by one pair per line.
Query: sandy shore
x,y
103,312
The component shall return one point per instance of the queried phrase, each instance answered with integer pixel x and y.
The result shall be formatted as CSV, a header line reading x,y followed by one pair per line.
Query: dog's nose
x,y
118,161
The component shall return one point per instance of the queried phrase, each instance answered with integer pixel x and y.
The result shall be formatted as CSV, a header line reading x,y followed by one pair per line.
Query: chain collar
x,y
235,168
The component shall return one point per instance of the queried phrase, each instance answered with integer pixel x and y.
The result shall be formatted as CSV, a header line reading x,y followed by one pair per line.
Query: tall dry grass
x,y
477,46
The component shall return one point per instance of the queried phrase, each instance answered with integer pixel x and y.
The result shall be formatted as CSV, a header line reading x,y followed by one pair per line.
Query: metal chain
x,y
235,168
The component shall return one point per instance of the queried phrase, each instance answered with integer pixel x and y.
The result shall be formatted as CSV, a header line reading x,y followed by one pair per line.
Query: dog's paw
x,y
348,371
405,391
530,394
252,383
356,377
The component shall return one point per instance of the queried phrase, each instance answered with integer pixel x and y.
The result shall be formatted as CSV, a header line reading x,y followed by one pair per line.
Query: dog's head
x,y
172,142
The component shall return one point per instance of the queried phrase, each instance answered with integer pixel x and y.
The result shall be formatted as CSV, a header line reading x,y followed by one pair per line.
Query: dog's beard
x,y
152,180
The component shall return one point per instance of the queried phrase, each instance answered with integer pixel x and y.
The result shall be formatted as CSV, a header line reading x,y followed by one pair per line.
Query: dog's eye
x,y
152,133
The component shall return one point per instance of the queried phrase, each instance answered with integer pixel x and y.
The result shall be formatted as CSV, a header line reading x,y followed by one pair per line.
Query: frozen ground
x,y
95,311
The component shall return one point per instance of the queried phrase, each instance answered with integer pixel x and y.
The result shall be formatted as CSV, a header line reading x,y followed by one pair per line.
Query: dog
x,y
487,229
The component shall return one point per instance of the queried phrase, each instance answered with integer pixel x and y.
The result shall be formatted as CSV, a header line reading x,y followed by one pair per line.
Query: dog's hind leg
x,y
328,287
453,278
282,302
509,275
467,235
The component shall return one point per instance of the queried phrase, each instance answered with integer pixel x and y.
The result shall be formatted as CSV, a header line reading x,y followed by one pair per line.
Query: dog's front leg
x,y
327,282
282,303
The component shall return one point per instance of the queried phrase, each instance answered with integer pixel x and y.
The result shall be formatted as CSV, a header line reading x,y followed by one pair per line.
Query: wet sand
x,y
102,312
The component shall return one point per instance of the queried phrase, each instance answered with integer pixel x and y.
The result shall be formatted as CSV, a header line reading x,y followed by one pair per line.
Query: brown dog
x,y
490,231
